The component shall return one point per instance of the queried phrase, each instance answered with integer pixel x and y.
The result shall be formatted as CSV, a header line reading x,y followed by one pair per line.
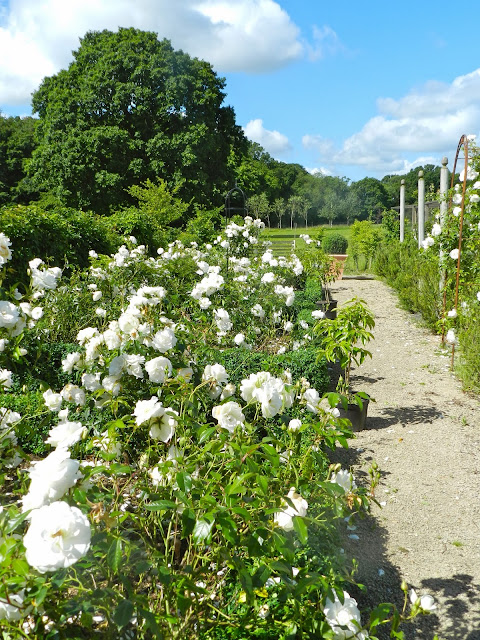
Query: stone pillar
x,y
402,210
421,208
443,191
443,216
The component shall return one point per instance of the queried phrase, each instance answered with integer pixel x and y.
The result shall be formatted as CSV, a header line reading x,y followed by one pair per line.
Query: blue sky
x,y
352,89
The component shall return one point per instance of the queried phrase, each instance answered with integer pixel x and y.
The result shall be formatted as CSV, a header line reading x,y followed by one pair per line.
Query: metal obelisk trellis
x,y
228,204
229,209
463,143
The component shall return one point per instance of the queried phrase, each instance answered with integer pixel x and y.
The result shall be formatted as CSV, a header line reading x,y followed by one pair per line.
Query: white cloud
x,y
272,141
38,36
323,171
429,121
326,43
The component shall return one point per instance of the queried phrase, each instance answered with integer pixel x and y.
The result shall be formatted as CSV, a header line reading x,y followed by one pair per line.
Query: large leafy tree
x,y
130,108
17,141
372,197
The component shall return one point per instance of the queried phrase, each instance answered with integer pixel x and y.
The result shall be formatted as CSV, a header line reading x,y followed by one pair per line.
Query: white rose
x,y
12,610
52,400
58,536
158,369
164,428
65,434
50,479
145,410
343,618
229,415
215,372
284,518
164,340
345,480
9,314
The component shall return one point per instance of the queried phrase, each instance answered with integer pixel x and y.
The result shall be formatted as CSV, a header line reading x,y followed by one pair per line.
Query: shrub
x,y
68,236
311,294
415,277
240,363
335,243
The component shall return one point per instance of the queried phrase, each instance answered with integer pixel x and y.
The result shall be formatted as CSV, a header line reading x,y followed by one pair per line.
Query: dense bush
x,y
335,243
302,364
415,277
309,296
61,236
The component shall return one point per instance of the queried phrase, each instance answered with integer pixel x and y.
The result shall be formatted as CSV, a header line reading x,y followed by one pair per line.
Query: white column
x,y
443,191
421,208
402,210
443,215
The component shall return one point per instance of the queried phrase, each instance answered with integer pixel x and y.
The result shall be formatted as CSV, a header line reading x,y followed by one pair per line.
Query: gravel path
x,y
423,432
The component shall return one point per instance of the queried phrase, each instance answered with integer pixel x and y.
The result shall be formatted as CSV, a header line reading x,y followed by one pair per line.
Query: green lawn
x,y
283,239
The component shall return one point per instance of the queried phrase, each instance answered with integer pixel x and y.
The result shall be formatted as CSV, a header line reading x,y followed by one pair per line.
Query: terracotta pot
x,y
340,259
357,416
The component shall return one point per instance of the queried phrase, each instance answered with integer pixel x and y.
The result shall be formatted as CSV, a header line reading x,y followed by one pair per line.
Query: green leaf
x,y
202,530
161,505
262,484
205,435
120,468
123,613
188,522
16,521
380,613
184,481
301,528
114,554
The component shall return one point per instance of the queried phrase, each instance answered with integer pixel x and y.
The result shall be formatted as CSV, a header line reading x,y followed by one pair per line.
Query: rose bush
x,y
175,503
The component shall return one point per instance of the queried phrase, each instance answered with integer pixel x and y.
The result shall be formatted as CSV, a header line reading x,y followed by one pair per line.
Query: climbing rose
x,y
454,254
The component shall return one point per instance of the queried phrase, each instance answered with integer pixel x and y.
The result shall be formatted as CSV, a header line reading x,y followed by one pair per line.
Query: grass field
x,y
283,239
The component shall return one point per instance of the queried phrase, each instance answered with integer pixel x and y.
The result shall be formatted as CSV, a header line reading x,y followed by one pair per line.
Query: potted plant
x,y
335,245
343,340
317,264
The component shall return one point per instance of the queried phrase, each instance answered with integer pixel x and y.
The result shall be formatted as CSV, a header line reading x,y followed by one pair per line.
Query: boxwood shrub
x,y
240,363
335,243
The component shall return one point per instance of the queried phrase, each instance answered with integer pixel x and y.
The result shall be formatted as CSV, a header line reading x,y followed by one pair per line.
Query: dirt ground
x,y
424,433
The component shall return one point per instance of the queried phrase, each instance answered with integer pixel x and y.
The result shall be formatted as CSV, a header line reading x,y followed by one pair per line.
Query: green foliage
x,y
151,220
335,243
365,239
309,296
130,108
204,227
32,430
343,338
414,275
60,235
303,363
391,224
17,141
372,197
469,357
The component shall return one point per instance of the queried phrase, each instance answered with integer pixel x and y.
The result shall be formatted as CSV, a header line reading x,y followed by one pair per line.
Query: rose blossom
x,y
58,536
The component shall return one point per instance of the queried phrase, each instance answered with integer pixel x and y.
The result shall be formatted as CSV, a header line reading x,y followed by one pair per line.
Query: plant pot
x,y
329,307
356,415
340,259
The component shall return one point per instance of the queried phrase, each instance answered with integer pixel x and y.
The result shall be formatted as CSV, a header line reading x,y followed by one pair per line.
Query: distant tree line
x,y
130,111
